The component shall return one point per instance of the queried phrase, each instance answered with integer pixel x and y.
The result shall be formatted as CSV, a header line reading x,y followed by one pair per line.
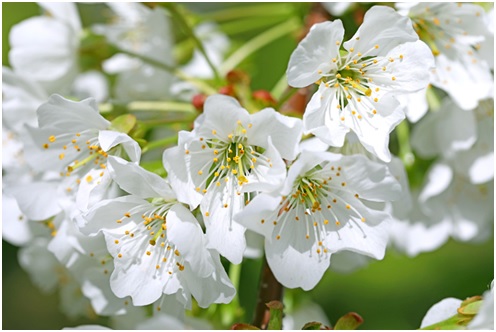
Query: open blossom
x,y
45,48
455,32
466,138
228,155
321,209
73,139
358,85
157,245
146,32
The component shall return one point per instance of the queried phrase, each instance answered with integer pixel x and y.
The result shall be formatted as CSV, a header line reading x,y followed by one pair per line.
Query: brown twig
x,y
270,290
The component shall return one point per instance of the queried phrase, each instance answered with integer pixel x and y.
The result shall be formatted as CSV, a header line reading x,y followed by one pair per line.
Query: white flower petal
x,y
374,31
316,49
109,139
138,181
441,311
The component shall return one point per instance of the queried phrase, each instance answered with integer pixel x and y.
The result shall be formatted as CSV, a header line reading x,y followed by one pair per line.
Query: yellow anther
x,y
78,134
376,100
176,252
119,255
214,132
207,214
352,49
73,141
278,237
307,236
326,222
51,139
215,160
262,221
343,184
200,172
338,43
338,223
186,151
376,46
89,178
61,156
148,253
116,241
157,267
363,219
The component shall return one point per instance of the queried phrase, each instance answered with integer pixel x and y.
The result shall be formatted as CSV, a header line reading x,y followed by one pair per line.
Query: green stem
x,y
257,10
200,85
160,143
258,42
406,154
160,106
172,7
288,93
432,99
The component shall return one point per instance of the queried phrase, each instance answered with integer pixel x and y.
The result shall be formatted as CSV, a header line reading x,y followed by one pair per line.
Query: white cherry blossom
x,y
358,85
157,245
45,48
321,209
228,155
455,33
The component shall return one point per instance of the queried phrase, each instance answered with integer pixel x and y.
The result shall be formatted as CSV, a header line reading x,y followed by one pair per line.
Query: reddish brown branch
x,y
270,290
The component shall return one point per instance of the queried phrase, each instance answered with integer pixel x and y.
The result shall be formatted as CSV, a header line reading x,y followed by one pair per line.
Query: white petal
x,y
37,200
285,132
61,114
217,288
441,311
260,208
288,265
109,139
65,12
374,31
179,178
138,181
103,215
318,47
43,48
185,232
223,233
371,180
222,114
438,179
320,120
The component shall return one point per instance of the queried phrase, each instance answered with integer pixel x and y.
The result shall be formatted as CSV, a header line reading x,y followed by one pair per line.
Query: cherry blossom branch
x,y
258,42
270,290
200,85
172,7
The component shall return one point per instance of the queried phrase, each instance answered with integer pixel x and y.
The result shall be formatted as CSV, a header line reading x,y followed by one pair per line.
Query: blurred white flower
x,y
455,32
228,155
465,138
45,48
138,29
321,209
358,86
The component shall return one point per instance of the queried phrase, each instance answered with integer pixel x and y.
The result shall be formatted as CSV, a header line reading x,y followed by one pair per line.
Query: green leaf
x,y
275,321
350,321
124,123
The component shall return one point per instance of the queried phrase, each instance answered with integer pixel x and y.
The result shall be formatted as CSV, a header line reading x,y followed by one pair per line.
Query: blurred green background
x,y
391,294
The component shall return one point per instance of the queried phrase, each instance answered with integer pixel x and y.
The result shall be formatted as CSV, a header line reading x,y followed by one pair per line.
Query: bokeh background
x,y
394,293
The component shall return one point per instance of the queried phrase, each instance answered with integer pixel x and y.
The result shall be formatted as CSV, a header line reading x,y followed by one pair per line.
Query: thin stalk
x,y
258,42
405,152
172,7
279,87
270,290
287,94
202,86
231,311
160,106
160,143
256,10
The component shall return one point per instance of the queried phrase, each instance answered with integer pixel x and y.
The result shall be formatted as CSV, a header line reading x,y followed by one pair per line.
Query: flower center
x,y
147,233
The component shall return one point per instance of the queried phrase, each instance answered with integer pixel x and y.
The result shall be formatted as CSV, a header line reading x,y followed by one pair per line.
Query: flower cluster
x,y
121,226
